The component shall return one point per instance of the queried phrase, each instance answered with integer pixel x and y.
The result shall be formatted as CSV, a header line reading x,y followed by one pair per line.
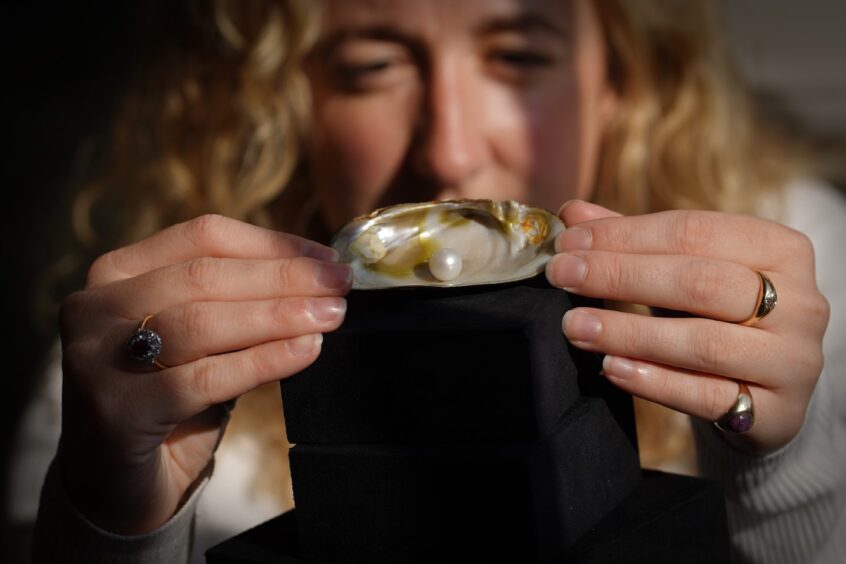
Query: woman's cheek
x,y
356,152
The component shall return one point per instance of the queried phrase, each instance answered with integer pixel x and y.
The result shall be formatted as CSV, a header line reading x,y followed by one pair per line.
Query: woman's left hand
x,y
703,263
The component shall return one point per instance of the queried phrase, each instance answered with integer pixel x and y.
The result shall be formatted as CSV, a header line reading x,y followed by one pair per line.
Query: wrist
x,y
116,497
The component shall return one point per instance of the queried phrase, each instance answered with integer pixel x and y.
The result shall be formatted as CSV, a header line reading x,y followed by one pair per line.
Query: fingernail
x,y
334,275
566,271
574,239
581,326
619,368
325,310
303,345
321,252
564,205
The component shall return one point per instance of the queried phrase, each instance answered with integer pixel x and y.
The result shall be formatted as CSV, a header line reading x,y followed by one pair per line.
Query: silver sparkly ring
x,y
145,345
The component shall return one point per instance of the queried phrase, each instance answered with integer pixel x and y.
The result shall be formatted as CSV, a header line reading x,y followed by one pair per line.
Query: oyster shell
x,y
447,243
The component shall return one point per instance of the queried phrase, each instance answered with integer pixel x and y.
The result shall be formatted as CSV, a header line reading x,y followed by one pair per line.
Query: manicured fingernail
x,y
325,310
566,271
321,252
334,275
303,345
581,326
619,368
574,239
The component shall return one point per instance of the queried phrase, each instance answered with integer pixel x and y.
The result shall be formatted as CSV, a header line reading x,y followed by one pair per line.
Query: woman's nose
x,y
451,145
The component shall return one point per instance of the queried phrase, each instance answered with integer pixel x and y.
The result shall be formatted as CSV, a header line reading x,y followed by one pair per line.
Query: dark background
x,y
64,63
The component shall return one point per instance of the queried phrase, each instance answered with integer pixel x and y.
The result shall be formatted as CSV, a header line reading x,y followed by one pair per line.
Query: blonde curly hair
x,y
686,134
212,124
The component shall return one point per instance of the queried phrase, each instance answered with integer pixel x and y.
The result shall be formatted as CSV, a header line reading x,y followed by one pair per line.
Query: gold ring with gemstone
x,y
741,415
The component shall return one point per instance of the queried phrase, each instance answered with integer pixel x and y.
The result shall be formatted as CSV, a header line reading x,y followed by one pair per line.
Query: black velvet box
x,y
455,421
668,519
458,425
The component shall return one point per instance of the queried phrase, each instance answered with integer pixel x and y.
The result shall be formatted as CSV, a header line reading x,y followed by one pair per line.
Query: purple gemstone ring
x,y
741,415
145,345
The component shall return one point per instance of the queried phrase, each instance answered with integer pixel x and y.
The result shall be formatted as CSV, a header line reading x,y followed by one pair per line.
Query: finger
x,y
198,329
579,211
694,393
184,391
757,243
208,235
697,344
708,287
574,212
697,394
225,279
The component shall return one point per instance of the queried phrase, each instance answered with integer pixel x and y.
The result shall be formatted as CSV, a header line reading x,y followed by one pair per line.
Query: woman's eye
x,y
368,75
364,65
354,70
523,59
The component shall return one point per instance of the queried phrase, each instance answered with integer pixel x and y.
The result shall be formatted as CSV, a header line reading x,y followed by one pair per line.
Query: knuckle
x,y
194,323
205,231
175,386
800,245
283,311
284,272
102,265
673,388
200,275
811,364
712,397
697,281
263,363
689,229
616,277
820,310
707,348
203,379
612,234
630,338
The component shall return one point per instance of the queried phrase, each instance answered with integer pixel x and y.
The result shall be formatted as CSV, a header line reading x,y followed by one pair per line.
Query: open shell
x,y
447,243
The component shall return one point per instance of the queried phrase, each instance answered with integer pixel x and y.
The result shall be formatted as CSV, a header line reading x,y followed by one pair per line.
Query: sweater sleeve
x,y
62,534
790,506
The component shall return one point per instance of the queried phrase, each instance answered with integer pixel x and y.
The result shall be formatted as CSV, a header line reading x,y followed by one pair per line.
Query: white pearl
x,y
445,264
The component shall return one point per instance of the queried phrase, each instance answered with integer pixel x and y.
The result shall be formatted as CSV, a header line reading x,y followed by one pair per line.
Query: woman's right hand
x,y
236,306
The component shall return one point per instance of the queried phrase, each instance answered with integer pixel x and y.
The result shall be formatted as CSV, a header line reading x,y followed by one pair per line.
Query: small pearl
x,y
445,265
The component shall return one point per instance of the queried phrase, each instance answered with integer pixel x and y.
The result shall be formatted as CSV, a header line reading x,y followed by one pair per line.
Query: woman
x,y
544,102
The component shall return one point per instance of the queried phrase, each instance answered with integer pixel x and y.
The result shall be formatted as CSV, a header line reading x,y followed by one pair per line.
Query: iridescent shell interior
x,y
447,243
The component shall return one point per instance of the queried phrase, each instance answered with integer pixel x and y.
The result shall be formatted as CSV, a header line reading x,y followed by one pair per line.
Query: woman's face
x,y
420,100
